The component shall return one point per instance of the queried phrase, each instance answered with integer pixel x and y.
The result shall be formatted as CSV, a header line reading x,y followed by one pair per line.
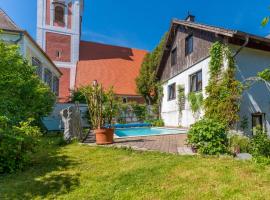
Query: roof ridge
x,y
114,45
222,29
9,19
204,24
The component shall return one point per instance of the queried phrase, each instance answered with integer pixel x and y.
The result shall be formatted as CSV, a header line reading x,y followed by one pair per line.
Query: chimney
x,y
190,18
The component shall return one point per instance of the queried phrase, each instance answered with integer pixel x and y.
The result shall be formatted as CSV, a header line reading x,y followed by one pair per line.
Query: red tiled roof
x,y
110,65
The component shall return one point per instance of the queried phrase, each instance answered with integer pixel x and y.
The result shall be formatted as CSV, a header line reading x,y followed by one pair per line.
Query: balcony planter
x,y
104,136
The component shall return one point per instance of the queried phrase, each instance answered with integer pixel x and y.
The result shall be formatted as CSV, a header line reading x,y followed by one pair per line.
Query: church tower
x,y
58,33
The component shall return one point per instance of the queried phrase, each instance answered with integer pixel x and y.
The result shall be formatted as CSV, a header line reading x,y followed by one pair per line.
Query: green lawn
x,y
84,172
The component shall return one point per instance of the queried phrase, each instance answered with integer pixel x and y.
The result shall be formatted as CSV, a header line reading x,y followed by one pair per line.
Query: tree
x,y
78,96
265,74
22,94
265,21
147,83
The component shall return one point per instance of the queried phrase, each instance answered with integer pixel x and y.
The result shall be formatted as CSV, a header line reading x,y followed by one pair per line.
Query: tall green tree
x,y
147,83
22,94
265,74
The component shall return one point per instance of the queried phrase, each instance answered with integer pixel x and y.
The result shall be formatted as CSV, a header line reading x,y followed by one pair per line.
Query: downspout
x,y
20,38
243,46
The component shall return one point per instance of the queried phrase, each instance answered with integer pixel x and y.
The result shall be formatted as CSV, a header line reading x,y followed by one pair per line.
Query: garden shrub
x,y
239,142
140,110
78,96
22,94
260,144
195,101
156,122
24,100
16,144
208,136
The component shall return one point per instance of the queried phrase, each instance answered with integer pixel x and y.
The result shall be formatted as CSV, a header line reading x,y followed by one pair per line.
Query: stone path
x,y
163,143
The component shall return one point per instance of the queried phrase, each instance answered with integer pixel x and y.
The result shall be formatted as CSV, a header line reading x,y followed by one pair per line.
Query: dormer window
x,y
59,14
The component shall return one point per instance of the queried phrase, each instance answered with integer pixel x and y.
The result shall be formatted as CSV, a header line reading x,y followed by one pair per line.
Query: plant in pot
x,y
102,110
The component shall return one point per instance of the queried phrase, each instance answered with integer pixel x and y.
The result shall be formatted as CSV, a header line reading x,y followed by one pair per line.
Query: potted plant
x,y
102,110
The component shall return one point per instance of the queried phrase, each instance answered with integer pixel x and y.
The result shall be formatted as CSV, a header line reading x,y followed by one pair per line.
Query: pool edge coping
x,y
118,137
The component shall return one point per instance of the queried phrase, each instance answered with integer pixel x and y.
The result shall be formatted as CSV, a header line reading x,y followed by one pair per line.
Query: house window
x,y
55,86
171,92
196,82
37,64
174,57
48,78
189,45
59,13
257,121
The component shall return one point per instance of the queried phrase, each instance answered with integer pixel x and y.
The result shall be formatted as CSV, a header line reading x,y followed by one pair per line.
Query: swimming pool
x,y
134,132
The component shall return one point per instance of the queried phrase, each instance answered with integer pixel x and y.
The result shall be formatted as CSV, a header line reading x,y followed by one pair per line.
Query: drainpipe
x,y
20,38
243,46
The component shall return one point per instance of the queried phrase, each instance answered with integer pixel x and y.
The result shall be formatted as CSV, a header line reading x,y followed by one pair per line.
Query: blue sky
x,y
141,23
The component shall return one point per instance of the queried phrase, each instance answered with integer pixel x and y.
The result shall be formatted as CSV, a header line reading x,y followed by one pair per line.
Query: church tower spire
x,y
58,33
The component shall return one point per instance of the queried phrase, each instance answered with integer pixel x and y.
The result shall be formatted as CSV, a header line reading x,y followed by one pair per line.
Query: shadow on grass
x,y
50,175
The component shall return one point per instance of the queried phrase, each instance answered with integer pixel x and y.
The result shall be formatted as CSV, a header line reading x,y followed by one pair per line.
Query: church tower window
x,y
59,14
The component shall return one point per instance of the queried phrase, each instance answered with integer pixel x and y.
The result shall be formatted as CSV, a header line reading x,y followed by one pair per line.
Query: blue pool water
x,y
129,132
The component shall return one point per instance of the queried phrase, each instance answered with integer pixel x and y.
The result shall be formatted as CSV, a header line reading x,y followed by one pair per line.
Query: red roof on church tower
x,y
109,65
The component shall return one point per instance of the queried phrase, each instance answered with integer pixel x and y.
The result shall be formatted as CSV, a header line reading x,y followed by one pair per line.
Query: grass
x,y
83,172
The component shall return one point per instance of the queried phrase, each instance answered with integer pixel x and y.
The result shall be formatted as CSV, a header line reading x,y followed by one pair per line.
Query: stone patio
x,y
163,143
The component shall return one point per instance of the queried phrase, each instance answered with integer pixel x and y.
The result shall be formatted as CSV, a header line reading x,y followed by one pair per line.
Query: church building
x,y
59,24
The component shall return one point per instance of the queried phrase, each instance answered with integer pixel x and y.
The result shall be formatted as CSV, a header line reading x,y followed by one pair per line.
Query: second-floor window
x,y
37,64
174,57
196,82
59,14
55,86
171,92
48,77
189,45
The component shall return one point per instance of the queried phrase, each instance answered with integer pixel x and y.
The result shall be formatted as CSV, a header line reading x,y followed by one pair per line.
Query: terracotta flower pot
x,y
104,136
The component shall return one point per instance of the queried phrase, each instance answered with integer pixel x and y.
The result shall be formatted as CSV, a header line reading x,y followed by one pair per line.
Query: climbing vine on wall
x,y
223,90
195,100
181,98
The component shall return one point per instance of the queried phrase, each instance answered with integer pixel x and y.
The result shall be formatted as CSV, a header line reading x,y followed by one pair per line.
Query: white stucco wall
x,y
169,108
255,99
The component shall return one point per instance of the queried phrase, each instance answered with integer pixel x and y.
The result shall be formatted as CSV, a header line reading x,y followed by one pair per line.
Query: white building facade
x,y
185,62
29,49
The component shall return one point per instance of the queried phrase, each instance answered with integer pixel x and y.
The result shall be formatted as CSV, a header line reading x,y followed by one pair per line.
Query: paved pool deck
x,y
175,143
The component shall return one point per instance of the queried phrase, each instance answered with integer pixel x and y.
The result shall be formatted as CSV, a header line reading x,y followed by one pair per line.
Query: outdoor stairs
x,y
90,138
